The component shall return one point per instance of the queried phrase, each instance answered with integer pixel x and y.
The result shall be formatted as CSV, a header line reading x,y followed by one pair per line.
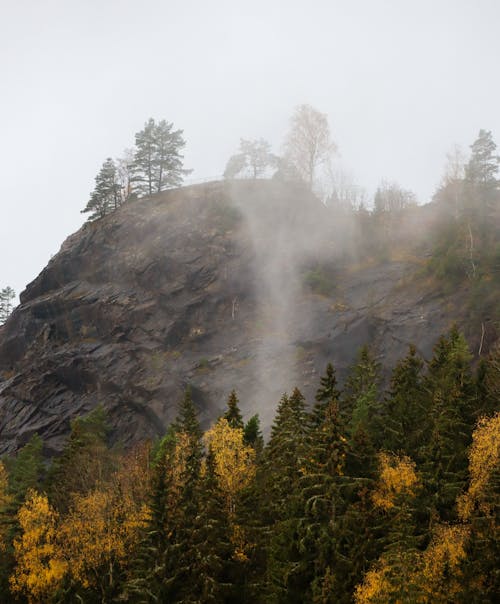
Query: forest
x,y
369,494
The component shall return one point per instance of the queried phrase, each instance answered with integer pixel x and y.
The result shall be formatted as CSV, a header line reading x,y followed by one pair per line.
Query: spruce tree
x,y
326,393
449,386
233,413
321,499
404,418
84,462
282,467
252,434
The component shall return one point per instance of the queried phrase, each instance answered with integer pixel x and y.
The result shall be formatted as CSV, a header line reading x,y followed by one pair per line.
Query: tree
x,y
391,198
308,143
7,294
233,413
157,163
233,460
254,157
106,196
40,565
84,462
483,164
124,173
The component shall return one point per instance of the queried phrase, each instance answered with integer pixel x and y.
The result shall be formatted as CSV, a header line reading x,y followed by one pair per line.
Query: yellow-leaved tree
x,y
234,460
390,578
397,478
234,468
103,527
5,500
93,539
40,567
484,459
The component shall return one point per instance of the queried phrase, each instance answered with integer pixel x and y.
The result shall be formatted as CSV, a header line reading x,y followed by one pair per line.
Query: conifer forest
x,y
363,496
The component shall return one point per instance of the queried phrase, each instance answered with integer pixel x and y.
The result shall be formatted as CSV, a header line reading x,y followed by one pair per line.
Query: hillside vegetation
x,y
368,496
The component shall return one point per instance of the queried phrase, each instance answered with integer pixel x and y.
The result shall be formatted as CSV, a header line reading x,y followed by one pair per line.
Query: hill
x,y
252,285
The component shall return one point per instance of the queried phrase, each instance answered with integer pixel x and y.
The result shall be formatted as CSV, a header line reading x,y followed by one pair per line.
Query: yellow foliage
x,y
397,476
234,461
99,532
5,500
40,567
440,573
484,457
240,544
376,586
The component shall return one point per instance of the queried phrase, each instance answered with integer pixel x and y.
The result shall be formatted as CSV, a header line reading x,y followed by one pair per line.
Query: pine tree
x,y
157,163
106,196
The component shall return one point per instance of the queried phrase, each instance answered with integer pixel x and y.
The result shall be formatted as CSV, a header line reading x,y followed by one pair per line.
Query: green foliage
x,y
233,413
371,497
320,280
106,195
157,163
84,462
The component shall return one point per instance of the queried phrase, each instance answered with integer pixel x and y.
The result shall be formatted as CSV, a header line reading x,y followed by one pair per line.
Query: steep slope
x,y
209,286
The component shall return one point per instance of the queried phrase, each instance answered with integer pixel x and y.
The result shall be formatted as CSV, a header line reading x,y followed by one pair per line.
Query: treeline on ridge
x,y
365,496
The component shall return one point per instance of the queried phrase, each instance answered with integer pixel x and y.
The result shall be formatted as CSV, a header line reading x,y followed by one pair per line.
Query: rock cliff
x,y
216,286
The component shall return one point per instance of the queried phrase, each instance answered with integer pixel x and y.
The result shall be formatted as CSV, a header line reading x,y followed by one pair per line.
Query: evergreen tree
x,y
84,462
233,413
25,473
106,196
360,412
483,164
252,434
404,419
281,500
209,577
320,492
327,392
157,163
449,386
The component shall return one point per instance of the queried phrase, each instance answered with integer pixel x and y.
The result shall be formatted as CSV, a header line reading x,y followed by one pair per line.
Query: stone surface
x,y
204,286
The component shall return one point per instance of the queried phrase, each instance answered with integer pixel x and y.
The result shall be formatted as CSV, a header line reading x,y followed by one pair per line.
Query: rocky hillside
x,y
251,285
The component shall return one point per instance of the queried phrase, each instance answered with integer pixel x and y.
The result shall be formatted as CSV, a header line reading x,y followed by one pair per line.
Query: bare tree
x,y
308,143
7,294
124,173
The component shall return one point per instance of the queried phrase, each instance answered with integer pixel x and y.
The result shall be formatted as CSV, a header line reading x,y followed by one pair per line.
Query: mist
x,y
400,84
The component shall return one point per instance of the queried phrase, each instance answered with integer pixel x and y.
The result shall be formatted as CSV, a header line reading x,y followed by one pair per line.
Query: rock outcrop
x,y
207,286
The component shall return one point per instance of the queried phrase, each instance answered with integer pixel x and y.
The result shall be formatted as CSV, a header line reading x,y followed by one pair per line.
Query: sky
x,y
401,82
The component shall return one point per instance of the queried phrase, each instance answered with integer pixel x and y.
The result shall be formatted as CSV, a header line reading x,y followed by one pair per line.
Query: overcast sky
x,y
401,82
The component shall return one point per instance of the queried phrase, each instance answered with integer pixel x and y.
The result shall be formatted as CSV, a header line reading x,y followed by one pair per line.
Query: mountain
x,y
253,285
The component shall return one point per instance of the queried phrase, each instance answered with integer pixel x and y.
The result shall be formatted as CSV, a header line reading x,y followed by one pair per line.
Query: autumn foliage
x,y
347,502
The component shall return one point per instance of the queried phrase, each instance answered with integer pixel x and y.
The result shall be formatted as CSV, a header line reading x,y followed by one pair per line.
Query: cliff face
x,y
209,286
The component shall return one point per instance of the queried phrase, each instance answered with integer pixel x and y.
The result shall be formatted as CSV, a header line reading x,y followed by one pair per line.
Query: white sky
x,y
401,81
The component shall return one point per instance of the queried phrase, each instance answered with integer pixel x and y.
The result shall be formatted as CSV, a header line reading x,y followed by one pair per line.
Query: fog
x,y
401,82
